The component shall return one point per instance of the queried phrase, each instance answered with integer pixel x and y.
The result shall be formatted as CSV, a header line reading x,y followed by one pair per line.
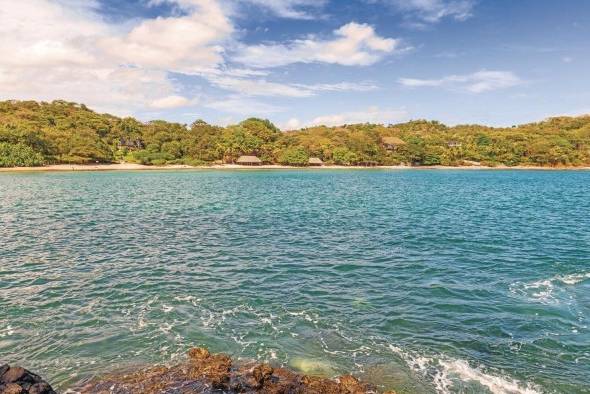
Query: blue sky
x,y
302,62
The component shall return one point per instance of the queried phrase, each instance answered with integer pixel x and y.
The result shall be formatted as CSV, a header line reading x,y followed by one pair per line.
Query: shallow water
x,y
422,281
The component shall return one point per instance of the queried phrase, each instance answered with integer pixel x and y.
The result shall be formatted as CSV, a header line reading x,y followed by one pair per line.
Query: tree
x,y
294,156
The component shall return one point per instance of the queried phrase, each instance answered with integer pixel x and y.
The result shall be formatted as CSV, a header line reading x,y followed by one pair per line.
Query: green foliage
x,y
33,133
344,156
294,156
19,155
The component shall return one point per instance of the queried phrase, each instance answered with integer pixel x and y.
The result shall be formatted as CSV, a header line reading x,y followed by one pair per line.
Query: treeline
x,y
33,134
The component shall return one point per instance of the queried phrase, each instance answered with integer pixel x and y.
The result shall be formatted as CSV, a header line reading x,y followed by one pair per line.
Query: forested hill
x,y
33,133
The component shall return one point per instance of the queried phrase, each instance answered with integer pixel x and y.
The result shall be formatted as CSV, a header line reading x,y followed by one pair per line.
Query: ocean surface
x,y
424,281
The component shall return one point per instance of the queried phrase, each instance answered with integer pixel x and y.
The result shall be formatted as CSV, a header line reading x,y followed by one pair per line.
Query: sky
x,y
302,62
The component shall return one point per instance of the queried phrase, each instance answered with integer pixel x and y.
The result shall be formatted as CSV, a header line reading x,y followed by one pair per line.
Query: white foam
x,y
573,279
444,374
544,290
6,332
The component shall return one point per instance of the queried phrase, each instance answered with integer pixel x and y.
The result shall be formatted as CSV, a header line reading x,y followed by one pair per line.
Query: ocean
x,y
422,281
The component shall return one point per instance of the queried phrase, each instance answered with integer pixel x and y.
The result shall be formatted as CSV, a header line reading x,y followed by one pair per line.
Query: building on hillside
x,y
315,161
130,144
249,161
454,144
392,143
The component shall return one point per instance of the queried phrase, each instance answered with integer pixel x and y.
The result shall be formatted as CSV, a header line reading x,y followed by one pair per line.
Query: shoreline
x,y
141,167
201,372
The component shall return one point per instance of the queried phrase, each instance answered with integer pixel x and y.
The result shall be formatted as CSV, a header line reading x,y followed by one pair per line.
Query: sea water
x,y
422,281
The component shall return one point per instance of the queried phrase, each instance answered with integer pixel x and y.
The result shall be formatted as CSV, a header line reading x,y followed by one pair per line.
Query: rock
x,y
40,388
198,353
3,368
11,388
262,373
17,380
213,373
13,374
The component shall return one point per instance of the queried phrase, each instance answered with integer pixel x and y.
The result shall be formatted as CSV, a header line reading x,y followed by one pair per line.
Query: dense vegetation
x,y
34,134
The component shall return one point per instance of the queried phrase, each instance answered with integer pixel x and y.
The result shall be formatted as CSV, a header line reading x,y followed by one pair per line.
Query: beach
x,y
142,167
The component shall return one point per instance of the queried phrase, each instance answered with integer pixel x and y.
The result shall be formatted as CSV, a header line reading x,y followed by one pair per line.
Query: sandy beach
x,y
141,167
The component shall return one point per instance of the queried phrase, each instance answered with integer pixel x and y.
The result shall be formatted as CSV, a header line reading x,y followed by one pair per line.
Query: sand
x,y
138,167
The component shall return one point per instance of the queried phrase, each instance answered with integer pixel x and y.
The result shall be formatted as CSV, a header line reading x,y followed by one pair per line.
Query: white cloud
x,y
262,87
186,44
353,45
63,49
258,87
433,11
478,82
341,87
370,115
169,102
294,9
291,124
243,106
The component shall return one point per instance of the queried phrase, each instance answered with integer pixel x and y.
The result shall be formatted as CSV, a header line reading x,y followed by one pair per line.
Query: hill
x,y
37,133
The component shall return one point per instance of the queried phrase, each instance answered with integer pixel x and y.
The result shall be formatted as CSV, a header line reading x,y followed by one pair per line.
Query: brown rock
x,y
40,388
12,388
198,353
13,374
261,373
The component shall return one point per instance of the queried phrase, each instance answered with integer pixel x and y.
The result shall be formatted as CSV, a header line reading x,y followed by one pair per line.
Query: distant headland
x,y
67,136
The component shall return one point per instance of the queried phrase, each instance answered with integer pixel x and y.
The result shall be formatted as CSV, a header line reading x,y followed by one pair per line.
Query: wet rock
x,y
215,373
12,388
3,368
17,380
198,353
13,374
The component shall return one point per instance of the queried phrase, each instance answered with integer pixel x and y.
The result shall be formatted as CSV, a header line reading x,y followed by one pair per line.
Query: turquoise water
x,y
422,281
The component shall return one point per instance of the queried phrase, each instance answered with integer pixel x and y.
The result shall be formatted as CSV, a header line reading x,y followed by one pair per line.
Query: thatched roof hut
x,y
315,161
249,161
392,143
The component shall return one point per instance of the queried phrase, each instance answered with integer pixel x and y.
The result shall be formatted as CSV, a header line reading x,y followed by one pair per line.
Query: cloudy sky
x,y
302,62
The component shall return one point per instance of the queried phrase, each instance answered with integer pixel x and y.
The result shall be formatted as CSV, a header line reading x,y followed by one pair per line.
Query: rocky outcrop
x,y
17,380
216,373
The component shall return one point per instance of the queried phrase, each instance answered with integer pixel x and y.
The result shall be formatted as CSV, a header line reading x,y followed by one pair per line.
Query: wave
x,y
450,375
544,290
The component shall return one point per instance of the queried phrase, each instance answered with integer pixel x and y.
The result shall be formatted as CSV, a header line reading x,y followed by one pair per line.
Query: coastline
x,y
202,372
141,167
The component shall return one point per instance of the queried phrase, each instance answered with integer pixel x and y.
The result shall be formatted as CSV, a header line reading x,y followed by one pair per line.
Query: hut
x,y
249,161
392,143
454,144
315,161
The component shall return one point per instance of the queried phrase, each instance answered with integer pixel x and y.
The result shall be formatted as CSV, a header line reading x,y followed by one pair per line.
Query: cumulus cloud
x,y
370,115
478,82
354,44
186,44
63,49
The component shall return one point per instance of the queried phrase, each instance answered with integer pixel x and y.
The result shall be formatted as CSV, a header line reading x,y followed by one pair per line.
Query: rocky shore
x,y
201,373
17,380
